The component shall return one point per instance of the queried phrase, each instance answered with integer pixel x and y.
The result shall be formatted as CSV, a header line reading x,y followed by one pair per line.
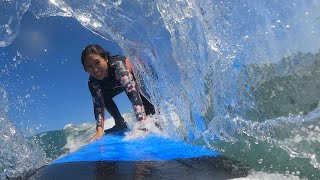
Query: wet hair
x,y
93,49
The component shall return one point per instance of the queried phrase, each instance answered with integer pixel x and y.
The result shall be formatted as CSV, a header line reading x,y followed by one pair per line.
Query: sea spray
x,y
193,55
18,156
11,14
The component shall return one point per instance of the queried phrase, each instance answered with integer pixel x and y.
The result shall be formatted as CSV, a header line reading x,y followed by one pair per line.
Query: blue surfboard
x,y
116,148
152,157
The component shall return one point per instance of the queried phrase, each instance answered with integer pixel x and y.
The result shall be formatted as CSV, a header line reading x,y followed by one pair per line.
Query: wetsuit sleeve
x,y
129,85
98,105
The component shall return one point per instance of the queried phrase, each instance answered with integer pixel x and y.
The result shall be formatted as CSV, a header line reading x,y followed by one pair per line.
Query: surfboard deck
x,y
114,147
153,157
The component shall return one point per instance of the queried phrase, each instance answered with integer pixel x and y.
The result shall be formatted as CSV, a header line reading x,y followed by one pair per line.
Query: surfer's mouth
x,y
98,74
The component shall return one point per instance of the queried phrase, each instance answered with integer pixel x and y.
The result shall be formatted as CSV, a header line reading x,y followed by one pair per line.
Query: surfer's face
x,y
96,66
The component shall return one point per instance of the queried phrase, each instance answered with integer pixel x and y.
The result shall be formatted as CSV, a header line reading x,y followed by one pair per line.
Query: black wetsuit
x,y
119,79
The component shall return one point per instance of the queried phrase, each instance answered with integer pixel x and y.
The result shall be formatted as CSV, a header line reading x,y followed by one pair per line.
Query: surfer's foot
x,y
116,128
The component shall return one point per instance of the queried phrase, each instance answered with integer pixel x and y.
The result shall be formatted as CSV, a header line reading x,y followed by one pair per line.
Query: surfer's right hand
x,y
98,135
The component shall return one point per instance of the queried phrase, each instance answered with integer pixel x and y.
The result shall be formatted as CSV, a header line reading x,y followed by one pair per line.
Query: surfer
x,y
109,76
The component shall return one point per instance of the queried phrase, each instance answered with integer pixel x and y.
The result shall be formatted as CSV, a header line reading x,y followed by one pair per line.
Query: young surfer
x,y
109,76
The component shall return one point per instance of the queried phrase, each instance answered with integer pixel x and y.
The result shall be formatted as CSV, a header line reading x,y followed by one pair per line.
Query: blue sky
x,y
49,88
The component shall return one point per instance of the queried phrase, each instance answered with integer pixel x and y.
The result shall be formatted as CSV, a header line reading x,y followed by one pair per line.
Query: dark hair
x,y
93,49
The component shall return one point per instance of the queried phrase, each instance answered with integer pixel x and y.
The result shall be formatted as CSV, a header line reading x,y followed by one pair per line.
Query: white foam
x,y
141,129
266,176
79,135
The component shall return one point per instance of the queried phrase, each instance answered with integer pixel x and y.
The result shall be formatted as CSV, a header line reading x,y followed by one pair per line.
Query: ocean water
x,y
246,72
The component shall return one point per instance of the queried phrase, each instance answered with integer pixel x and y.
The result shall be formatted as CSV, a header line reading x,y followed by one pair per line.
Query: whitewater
x,y
245,72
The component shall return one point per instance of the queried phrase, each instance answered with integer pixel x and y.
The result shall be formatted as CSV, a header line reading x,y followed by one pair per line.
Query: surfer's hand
x,y
98,135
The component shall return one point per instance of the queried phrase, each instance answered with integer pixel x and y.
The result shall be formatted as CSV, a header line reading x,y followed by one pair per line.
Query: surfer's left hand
x,y
98,135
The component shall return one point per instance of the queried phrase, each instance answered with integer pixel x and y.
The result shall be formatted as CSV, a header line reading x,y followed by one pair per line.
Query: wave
x,y
59,143
285,88
230,69
18,156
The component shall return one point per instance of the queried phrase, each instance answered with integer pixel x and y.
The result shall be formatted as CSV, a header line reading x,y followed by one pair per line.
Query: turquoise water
x,y
247,72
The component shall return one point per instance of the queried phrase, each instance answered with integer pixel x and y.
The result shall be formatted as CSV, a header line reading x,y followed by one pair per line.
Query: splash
x,y
18,155
23,92
79,135
11,14
195,59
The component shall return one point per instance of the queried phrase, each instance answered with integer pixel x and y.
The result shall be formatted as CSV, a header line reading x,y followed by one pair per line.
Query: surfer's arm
x,y
98,107
129,65
129,85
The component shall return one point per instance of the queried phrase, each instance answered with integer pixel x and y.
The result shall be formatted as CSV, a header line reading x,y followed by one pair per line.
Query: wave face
x,y
232,69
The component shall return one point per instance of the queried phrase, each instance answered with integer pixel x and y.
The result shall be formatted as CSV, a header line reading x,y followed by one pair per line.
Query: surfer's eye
x,y
88,68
